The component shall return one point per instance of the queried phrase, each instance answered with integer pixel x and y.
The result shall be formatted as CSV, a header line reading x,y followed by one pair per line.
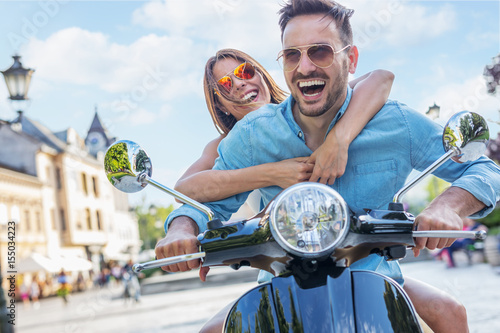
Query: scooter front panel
x,y
381,305
283,306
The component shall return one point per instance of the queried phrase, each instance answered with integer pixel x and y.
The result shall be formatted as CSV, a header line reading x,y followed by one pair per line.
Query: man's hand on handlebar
x,y
445,212
436,218
180,239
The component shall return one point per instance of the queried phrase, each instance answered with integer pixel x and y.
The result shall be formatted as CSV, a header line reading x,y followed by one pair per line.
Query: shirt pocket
x,y
375,184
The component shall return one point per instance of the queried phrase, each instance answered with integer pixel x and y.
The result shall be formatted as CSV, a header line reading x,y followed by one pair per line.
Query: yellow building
x,y
53,186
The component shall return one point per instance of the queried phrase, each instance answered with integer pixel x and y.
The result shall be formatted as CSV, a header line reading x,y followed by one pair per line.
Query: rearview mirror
x,y
129,169
123,163
465,138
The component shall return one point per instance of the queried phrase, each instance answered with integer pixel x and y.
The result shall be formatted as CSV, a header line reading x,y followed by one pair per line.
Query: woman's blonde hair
x,y
222,121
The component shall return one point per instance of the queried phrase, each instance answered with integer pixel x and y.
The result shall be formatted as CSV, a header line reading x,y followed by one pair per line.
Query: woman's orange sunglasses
x,y
244,71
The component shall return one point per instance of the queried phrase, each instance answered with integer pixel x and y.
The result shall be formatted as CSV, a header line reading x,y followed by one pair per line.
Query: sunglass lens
x,y
321,55
245,71
226,83
291,58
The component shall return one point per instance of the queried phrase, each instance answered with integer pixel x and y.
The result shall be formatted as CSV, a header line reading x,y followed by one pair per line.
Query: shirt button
x,y
300,134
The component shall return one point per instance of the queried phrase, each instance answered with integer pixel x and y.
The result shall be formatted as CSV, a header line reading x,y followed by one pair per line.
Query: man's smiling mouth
x,y
311,88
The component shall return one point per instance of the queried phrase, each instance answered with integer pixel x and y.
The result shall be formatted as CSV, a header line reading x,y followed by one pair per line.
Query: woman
x,y
231,95
227,107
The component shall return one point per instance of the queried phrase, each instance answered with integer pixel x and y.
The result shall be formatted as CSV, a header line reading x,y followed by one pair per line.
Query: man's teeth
x,y
311,95
311,83
249,96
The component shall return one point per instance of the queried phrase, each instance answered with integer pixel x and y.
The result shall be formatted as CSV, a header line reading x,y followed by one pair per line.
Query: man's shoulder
x,y
395,109
264,112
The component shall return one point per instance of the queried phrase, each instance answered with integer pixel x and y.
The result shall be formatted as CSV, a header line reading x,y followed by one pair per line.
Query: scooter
x,y
307,238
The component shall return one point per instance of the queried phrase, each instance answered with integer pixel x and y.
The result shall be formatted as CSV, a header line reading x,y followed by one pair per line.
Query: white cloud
x,y
251,26
398,23
470,95
81,57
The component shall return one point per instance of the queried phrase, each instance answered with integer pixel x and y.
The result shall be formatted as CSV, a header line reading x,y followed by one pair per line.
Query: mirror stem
x,y
451,153
144,178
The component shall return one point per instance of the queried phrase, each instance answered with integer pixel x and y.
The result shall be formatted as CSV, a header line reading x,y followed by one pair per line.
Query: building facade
x,y
54,188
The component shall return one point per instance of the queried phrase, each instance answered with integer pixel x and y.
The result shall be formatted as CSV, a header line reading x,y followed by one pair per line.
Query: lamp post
x,y
18,81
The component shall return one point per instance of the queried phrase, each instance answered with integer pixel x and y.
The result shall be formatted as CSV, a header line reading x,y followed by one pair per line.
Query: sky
x,y
141,63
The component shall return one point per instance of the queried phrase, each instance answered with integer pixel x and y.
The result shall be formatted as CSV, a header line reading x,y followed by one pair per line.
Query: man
x,y
317,57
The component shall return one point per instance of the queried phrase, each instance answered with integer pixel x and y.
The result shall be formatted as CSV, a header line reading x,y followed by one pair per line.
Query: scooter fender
x,y
354,301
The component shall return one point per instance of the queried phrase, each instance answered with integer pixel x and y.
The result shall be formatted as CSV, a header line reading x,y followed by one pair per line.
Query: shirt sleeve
x,y
481,178
234,153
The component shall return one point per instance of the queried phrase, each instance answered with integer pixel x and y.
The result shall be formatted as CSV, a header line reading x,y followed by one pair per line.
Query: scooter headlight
x,y
309,219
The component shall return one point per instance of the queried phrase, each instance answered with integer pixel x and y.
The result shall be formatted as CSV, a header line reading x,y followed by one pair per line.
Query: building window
x,y
84,184
53,219
89,220
94,184
63,220
58,178
49,178
98,216
79,224
3,214
27,220
38,221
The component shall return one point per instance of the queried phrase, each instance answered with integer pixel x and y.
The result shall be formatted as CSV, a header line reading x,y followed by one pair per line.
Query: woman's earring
x,y
227,113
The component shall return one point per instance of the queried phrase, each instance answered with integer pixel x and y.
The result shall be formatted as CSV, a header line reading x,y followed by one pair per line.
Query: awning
x,y
36,262
74,264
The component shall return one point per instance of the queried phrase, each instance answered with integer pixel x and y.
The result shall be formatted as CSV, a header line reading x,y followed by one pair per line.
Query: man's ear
x,y
353,59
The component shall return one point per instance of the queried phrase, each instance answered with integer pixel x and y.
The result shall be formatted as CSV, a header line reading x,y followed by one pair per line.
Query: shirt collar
x,y
287,113
342,109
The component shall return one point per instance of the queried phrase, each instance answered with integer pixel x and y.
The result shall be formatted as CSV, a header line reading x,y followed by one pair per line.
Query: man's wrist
x,y
183,223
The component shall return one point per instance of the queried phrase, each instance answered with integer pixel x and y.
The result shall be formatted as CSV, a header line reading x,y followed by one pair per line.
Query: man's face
x,y
317,90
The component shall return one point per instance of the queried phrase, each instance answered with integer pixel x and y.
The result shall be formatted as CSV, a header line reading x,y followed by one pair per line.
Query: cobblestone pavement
x,y
185,310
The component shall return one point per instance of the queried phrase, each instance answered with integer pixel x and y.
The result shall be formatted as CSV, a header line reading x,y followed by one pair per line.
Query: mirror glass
x,y
467,131
124,162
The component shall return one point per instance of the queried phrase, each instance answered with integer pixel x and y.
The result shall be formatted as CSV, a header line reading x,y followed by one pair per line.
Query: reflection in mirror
x,y
469,133
124,162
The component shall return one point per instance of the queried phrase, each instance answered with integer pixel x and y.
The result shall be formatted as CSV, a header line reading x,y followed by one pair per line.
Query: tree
x,y
151,222
492,75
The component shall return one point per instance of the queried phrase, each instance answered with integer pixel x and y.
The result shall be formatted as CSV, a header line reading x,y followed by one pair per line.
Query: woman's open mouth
x,y
250,96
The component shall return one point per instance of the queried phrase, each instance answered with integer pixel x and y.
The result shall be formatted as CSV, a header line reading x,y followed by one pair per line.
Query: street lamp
x,y
433,111
18,80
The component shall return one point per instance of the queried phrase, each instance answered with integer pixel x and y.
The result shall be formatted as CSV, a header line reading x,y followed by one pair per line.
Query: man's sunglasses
x,y
244,71
321,55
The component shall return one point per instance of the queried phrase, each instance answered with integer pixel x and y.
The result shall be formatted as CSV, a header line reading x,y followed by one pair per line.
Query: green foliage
x,y
492,220
116,158
151,222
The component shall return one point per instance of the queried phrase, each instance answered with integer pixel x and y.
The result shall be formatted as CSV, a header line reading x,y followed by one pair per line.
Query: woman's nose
x,y
238,83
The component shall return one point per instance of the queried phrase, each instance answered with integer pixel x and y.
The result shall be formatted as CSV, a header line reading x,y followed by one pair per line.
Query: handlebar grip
x,y
479,235
167,261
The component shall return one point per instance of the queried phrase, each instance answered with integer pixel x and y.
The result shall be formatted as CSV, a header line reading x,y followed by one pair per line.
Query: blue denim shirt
x,y
396,141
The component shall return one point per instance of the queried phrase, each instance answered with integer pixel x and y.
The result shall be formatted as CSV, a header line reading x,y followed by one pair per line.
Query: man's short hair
x,y
339,14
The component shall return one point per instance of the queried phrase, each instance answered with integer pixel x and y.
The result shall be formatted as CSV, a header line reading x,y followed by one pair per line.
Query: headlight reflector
x,y
309,219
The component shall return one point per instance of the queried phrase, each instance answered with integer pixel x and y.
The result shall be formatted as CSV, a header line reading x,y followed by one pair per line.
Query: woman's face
x,y
254,90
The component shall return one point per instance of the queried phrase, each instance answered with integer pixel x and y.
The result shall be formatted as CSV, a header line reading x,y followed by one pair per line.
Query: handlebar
x,y
480,235
167,261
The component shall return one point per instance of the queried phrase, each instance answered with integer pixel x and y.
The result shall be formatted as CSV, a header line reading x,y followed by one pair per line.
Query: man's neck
x,y
315,128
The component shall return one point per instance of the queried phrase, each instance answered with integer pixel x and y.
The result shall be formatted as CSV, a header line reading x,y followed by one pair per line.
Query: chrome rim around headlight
x,y
309,219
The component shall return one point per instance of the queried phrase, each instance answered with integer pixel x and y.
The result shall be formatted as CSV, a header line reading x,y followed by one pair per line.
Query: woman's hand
x,y
330,159
292,171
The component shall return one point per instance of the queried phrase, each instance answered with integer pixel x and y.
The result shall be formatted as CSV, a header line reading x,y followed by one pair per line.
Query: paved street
x,y
172,308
